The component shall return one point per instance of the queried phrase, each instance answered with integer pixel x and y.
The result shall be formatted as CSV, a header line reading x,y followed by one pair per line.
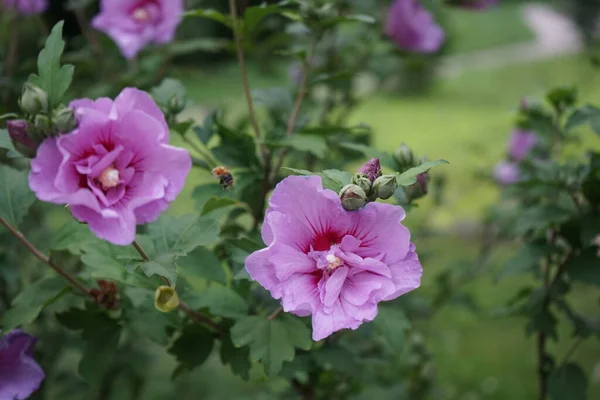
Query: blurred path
x,y
555,35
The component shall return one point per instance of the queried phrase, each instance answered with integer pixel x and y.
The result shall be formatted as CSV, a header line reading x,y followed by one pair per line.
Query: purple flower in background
x,y
506,173
521,143
335,265
116,169
25,7
412,27
20,375
475,4
133,24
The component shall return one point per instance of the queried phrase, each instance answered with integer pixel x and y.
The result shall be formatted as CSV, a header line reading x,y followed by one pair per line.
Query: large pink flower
x,y
335,265
25,7
133,24
116,169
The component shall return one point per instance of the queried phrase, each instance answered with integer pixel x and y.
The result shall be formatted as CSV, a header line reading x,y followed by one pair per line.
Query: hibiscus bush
x,y
291,269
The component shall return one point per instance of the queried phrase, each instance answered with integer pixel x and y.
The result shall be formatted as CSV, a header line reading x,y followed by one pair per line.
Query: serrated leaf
x,y
166,270
568,382
585,267
192,348
409,177
313,144
202,263
32,300
541,217
298,332
210,14
206,131
5,141
215,203
182,235
392,324
268,341
167,90
53,78
220,300
15,195
237,358
143,319
73,237
332,179
525,261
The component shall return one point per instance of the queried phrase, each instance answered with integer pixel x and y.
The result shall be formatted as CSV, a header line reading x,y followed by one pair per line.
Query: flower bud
x,y
17,129
385,186
64,120
33,100
176,105
372,169
166,299
353,197
420,188
42,124
362,181
405,157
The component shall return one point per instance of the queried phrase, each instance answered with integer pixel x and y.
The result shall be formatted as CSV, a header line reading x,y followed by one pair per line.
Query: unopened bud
x,y
372,169
33,100
363,182
385,186
166,299
17,129
176,105
405,157
42,124
65,121
353,197
420,188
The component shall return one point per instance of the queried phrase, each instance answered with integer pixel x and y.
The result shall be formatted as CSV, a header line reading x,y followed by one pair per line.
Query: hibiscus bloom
x,y
335,265
521,143
133,24
25,7
20,375
116,169
412,27
506,173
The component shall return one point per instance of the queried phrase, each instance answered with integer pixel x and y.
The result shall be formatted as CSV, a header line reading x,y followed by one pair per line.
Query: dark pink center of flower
x,y
325,240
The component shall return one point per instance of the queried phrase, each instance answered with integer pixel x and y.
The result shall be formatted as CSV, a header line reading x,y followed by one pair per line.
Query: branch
x,y
45,259
308,62
275,314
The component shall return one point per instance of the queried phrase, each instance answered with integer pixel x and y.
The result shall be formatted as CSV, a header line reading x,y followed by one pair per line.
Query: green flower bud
x,y
176,105
405,157
166,299
33,100
362,181
64,120
353,197
42,124
385,186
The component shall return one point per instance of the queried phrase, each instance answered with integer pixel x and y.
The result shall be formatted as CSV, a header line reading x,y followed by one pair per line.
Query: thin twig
x,y
301,93
242,62
207,157
141,251
275,314
45,259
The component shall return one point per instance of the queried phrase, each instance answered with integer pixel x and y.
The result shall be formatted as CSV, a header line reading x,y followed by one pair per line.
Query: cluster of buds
x,y
40,122
368,184
406,160
106,295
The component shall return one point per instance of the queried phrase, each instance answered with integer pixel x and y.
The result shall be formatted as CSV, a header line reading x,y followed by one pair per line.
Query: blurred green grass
x,y
465,120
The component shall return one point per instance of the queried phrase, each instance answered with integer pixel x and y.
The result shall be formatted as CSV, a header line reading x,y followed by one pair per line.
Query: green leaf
x,y
268,341
182,235
103,265
15,195
253,15
167,90
220,300
5,141
585,267
385,159
409,177
143,319
237,358
392,324
587,114
298,333
331,77
73,237
313,144
336,357
215,203
541,217
237,148
101,335
192,348
203,193
206,131
568,382
32,300
332,179
53,78
166,270
210,14
202,263
526,260
328,23
211,45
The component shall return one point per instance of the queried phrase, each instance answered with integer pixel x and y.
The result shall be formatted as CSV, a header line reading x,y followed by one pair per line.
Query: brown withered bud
x,y
106,295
